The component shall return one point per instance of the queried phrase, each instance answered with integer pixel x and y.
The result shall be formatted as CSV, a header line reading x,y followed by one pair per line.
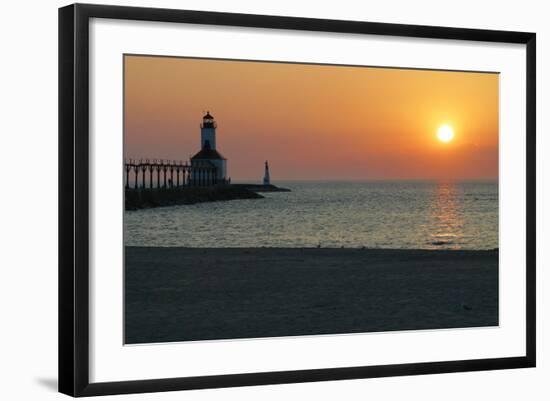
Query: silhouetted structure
x,y
208,156
207,167
267,180
149,174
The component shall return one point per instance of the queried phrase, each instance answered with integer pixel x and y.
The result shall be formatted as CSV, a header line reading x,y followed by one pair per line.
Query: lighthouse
x,y
266,174
208,131
208,157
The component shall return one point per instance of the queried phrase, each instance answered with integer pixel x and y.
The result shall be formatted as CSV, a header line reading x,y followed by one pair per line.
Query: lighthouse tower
x,y
208,131
266,174
208,157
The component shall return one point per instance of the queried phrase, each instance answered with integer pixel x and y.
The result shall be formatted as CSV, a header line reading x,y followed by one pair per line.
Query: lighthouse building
x,y
208,160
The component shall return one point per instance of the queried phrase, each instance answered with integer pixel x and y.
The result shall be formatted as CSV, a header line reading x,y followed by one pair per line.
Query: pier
x,y
158,182
155,182
164,174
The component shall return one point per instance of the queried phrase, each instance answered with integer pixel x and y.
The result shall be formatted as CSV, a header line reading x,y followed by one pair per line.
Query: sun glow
x,y
445,133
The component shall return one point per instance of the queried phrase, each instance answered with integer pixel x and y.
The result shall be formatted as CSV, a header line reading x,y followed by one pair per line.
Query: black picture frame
x,y
74,201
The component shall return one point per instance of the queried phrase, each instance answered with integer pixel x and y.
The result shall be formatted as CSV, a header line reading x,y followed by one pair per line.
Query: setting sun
x,y
445,133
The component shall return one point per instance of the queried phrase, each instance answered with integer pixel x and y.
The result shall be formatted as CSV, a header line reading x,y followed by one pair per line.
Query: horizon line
x,y
235,180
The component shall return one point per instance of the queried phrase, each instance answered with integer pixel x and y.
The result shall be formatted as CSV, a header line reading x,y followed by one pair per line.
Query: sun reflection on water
x,y
446,220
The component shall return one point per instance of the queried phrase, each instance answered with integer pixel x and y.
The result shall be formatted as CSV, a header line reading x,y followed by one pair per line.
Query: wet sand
x,y
184,294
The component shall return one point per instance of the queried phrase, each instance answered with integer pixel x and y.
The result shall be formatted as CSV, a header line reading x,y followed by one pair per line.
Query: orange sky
x,y
314,121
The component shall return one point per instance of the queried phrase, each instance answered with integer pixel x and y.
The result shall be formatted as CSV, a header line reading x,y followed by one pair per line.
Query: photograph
x,y
279,199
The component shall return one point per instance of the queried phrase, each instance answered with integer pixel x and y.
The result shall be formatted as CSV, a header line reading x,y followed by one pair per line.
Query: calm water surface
x,y
379,214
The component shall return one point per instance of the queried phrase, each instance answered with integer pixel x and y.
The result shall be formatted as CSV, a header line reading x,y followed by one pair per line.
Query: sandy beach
x,y
184,294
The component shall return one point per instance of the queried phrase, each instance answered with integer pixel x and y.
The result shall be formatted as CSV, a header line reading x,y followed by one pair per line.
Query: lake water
x,y
377,214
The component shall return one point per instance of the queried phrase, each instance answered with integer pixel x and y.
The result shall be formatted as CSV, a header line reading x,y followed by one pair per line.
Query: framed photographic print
x,y
249,199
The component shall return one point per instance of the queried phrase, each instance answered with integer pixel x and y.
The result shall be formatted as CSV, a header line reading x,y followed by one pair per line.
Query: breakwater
x,y
261,188
156,197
